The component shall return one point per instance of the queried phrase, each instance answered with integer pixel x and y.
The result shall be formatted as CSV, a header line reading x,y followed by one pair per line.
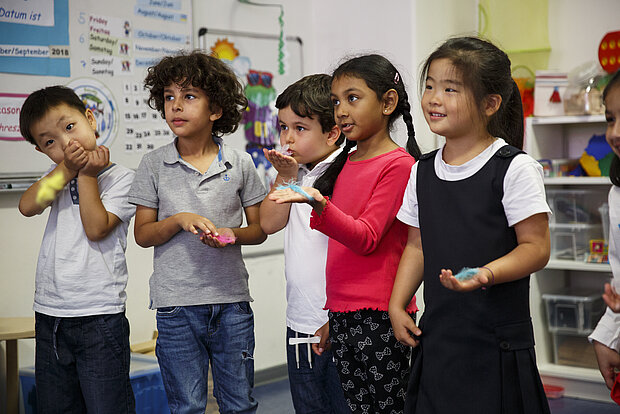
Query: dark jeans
x,y
82,364
314,389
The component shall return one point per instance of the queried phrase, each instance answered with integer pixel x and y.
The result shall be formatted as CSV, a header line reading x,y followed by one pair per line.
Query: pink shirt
x,y
365,239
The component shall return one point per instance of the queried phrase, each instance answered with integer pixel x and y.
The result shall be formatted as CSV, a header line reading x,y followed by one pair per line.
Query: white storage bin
x,y
549,89
572,241
576,206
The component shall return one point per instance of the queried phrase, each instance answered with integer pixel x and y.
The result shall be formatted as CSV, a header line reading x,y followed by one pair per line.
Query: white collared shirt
x,y
305,253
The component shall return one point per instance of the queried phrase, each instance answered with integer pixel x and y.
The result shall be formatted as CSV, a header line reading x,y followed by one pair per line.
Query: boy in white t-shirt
x,y
82,334
309,132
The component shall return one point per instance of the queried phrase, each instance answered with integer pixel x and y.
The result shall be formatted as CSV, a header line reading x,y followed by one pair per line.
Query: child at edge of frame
x,y
191,196
82,350
606,335
478,226
312,141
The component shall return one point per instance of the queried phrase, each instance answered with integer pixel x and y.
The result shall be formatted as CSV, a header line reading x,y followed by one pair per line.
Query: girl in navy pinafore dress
x,y
475,203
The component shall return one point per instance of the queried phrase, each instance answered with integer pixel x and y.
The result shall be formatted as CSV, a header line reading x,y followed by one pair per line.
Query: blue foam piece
x,y
297,189
466,273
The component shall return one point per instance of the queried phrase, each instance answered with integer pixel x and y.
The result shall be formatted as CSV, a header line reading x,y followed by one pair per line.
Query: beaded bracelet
x,y
492,276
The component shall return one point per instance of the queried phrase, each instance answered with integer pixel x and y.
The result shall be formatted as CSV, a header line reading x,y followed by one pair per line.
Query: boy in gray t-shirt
x,y
191,195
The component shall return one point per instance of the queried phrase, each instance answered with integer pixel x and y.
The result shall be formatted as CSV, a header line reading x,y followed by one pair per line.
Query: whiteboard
x,y
102,50
255,57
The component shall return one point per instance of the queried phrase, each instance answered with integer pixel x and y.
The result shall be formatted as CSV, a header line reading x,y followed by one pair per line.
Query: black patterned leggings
x,y
373,366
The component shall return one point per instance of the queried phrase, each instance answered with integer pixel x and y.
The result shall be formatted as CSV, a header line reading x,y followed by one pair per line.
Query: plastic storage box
x,y
572,241
573,350
576,206
573,311
145,378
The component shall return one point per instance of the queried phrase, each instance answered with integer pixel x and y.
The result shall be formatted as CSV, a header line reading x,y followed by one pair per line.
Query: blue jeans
x,y
314,389
192,336
82,364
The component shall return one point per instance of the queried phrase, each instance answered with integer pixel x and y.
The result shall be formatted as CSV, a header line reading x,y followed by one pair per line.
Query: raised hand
x,y
284,164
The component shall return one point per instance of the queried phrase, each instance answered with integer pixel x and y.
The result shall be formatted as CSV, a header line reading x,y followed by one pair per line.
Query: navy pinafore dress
x,y
476,352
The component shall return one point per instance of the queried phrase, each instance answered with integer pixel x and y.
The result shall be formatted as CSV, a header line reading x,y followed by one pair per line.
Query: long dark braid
x,y
412,144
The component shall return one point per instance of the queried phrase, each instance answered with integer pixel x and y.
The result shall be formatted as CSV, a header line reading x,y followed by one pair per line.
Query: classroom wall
x,y
404,31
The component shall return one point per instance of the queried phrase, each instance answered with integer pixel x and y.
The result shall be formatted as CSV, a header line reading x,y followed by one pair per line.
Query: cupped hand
x,y
76,156
222,237
287,195
448,280
284,164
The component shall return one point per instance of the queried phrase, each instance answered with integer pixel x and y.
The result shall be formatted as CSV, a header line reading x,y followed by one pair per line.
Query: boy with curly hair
x,y
193,190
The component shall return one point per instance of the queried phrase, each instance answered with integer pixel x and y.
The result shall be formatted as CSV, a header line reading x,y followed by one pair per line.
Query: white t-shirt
x,y
305,254
524,188
76,276
607,331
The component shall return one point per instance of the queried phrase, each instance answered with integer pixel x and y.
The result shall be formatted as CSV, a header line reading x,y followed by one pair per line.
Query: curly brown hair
x,y
202,71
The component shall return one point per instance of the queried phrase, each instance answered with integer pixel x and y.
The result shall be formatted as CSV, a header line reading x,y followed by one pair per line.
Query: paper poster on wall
x,y
110,45
34,37
98,98
10,104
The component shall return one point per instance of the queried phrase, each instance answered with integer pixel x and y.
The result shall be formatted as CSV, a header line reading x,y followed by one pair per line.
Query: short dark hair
x,y
39,102
310,96
207,73
485,70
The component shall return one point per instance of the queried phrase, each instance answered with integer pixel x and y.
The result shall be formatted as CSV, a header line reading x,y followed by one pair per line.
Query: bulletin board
x,y
101,49
265,64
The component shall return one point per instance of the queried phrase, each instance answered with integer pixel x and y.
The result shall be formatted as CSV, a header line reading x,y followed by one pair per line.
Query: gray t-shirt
x,y
186,271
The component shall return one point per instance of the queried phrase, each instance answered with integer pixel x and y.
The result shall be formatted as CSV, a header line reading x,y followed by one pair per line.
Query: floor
x,y
275,398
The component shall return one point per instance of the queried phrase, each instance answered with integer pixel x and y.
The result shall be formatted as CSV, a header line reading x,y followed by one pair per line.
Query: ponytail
x,y
325,183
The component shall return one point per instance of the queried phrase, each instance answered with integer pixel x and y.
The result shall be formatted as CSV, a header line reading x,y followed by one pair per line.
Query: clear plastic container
x,y
583,95
604,211
575,206
574,311
574,351
572,241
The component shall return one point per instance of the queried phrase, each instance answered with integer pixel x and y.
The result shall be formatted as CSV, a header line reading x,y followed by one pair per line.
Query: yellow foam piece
x,y
49,186
590,165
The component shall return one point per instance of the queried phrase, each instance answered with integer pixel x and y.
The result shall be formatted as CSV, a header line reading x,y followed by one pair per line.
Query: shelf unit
x,y
559,138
